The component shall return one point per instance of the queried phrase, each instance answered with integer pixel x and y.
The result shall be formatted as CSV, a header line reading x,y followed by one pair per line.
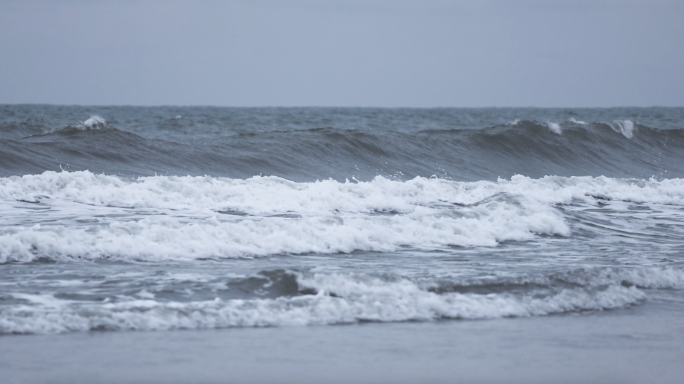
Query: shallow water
x,y
641,344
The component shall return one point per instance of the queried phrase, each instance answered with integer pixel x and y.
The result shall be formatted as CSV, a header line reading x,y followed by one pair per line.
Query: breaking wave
x,y
618,148
318,298
180,218
204,217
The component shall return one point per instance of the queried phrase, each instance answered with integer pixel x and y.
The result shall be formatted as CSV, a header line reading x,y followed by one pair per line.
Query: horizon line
x,y
326,106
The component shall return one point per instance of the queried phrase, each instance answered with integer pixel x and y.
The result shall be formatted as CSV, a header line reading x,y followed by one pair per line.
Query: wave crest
x,y
323,298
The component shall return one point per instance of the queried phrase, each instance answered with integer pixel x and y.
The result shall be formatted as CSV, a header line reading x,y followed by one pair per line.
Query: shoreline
x,y
640,344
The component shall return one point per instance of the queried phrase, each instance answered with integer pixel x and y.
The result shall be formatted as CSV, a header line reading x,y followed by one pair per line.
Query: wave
x,y
303,310
89,216
305,298
323,226
616,148
262,195
624,127
94,122
667,278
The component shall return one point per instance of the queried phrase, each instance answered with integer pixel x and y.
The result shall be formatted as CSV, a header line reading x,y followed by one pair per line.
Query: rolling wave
x,y
80,215
280,297
619,148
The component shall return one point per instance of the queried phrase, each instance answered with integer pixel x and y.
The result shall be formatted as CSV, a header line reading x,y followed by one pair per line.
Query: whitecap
x,y
625,127
554,127
94,122
168,217
579,122
339,299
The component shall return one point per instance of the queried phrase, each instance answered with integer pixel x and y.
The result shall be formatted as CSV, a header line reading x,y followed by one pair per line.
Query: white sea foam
x,y
94,122
340,299
625,127
556,189
554,127
269,195
579,122
171,238
92,216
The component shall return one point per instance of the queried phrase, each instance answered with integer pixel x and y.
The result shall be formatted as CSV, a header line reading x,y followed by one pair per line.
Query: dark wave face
x,y
305,144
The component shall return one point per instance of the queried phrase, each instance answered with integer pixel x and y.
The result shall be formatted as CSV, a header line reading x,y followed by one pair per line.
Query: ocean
x,y
209,244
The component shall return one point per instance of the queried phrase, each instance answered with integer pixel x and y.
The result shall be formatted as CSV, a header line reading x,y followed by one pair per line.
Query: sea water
x,y
434,232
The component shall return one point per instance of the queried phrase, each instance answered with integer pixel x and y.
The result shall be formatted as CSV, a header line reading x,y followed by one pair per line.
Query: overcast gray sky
x,y
386,53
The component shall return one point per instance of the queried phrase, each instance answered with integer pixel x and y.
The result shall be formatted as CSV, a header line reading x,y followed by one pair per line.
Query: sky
x,y
370,53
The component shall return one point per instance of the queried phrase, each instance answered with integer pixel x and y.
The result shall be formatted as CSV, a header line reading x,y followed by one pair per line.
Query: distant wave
x,y
624,127
94,122
619,148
